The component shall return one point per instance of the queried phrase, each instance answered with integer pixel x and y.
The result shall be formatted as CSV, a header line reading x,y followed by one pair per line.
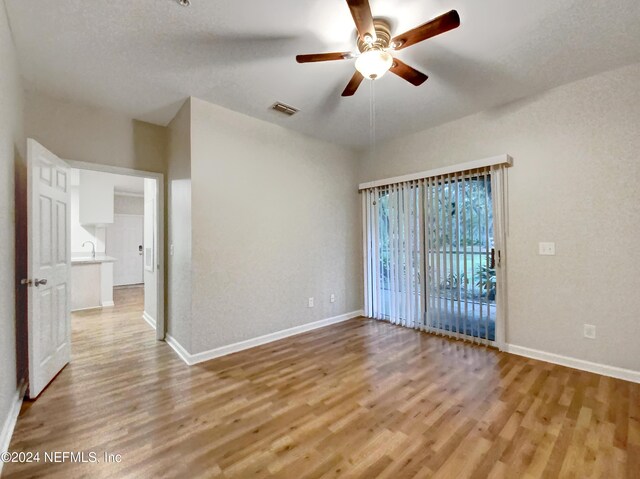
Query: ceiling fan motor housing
x,y
383,37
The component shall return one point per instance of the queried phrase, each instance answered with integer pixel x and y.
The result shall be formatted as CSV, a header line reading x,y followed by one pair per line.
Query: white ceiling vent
x,y
286,109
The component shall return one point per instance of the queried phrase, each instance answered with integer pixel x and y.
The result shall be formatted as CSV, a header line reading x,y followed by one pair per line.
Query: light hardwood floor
x,y
358,399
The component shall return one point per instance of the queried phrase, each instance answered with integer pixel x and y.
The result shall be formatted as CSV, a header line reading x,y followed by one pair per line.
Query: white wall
x,y
179,227
276,220
575,182
11,148
150,241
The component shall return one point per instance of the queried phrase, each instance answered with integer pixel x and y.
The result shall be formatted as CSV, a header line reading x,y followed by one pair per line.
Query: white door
x,y
49,312
125,243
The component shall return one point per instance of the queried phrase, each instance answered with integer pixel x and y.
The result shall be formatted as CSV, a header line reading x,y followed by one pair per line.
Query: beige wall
x,y
276,220
575,182
95,135
179,232
11,149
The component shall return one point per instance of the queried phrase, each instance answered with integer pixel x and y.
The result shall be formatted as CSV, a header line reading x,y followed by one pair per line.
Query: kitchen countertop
x,y
100,258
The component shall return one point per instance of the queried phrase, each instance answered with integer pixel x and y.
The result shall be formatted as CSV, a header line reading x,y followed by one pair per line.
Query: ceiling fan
x,y
375,45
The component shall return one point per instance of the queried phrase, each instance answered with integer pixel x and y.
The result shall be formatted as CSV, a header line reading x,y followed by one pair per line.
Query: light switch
x,y
547,249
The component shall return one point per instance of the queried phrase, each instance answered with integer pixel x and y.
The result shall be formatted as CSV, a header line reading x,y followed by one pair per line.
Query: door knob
x,y
37,282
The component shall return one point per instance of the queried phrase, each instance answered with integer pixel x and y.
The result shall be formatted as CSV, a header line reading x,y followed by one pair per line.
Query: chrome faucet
x,y
93,248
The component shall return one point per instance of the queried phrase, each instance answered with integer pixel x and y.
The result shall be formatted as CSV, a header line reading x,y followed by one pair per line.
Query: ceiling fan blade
x,y
408,73
361,13
353,84
323,57
438,25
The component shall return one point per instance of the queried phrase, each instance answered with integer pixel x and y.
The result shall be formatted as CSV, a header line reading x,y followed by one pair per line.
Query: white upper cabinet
x,y
96,198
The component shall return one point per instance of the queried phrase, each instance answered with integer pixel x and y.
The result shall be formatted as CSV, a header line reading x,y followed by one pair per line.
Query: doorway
x,y
69,208
116,225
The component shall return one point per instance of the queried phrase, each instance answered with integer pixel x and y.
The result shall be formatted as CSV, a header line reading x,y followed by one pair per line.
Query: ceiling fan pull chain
x,y
372,118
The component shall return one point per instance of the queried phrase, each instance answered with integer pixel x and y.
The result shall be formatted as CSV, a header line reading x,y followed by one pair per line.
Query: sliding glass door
x,y
462,289
431,256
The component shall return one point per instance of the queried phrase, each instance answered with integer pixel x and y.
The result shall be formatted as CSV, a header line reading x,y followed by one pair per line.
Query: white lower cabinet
x,y
85,286
91,282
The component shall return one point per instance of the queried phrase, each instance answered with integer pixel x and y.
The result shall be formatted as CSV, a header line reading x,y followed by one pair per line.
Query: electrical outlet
x,y
547,249
332,298
311,302
589,331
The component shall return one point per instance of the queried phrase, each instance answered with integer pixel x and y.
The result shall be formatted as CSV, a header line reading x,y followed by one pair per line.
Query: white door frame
x,y
159,177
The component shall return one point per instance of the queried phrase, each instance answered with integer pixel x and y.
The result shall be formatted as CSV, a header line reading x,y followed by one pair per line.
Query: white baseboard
x,y
177,347
603,369
108,304
86,309
192,359
10,421
149,319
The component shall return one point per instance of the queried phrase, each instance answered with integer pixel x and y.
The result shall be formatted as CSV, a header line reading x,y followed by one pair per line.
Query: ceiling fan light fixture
x,y
376,45
373,64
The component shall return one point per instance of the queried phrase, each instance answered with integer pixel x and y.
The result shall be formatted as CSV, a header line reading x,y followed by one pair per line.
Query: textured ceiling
x,y
144,57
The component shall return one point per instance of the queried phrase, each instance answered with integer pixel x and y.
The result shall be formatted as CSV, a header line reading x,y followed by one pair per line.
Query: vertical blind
x,y
433,248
